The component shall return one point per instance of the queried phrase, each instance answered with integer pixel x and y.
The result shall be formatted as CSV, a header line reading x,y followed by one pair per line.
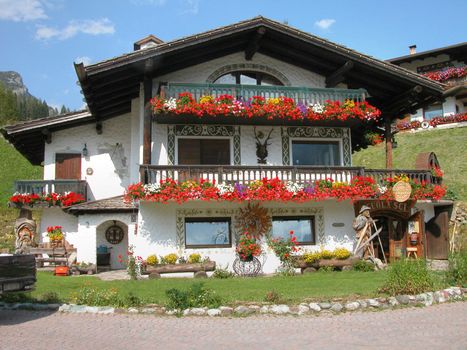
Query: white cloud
x,y
325,23
87,26
21,10
83,59
190,7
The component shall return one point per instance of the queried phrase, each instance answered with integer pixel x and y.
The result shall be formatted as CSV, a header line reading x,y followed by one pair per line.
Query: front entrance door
x,y
68,166
391,235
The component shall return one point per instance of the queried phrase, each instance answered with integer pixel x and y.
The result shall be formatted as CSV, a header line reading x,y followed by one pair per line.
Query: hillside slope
x,y
13,166
449,145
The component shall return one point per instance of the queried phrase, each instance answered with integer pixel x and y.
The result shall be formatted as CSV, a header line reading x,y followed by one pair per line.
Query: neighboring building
x,y
446,65
119,142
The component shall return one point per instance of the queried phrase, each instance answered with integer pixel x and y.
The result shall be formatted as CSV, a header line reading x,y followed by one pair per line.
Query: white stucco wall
x,y
157,231
200,73
109,162
247,144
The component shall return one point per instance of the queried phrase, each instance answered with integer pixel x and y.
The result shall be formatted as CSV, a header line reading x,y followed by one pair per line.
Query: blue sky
x,y
41,39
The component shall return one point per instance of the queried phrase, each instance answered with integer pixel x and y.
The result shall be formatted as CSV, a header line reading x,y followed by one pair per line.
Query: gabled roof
x,y
113,204
29,136
456,52
109,86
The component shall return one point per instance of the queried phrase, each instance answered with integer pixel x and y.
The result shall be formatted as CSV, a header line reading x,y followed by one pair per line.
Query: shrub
x,y
152,260
408,276
273,297
325,254
195,296
363,266
222,273
311,258
341,253
169,259
194,258
457,269
131,300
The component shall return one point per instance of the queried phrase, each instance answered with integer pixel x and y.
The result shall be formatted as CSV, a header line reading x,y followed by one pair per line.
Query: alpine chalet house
x,y
446,65
187,144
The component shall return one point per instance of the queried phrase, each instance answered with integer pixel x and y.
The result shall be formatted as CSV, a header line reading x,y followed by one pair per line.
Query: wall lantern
x,y
85,151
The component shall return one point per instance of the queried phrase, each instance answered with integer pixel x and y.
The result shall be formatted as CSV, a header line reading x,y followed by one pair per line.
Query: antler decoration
x,y
262,147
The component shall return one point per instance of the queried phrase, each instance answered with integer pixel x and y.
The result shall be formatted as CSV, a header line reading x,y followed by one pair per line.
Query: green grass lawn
x,y
317,286
449,146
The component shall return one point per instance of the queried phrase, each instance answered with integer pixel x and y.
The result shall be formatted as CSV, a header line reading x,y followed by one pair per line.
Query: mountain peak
x,y
13,81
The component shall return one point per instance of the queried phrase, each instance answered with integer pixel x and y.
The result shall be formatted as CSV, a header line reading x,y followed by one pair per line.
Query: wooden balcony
x,y
51,186
246,174
303,95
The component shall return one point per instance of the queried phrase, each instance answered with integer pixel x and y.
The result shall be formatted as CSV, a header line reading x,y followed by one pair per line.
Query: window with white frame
x,y
207,232
302,226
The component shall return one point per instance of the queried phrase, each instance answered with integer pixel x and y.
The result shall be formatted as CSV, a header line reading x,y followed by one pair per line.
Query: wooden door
x,y
396,229
437,236
68,166
416,224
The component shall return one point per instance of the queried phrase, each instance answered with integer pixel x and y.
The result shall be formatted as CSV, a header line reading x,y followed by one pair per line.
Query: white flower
x,y
382,189
170,104
152,188
224,188
293,187
317,107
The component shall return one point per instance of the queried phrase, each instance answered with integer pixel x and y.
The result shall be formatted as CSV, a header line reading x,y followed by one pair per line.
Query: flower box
x,y
176,268
337,263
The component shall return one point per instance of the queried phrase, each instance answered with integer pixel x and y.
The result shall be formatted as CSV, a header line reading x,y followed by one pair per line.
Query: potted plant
x,y
247,247
55,235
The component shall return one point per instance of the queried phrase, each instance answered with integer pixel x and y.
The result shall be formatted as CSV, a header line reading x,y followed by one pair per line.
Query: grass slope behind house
x,y
13,166
449,145
317,286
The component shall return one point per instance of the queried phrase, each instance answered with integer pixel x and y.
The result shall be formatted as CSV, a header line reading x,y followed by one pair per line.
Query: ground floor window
x,y
207,232
303,227
433,111
316,153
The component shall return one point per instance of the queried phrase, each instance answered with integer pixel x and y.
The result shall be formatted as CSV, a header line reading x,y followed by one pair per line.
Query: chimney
x,y
147,42
413,49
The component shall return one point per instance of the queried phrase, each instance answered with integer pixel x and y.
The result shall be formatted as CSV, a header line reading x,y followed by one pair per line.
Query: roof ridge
x,y
55,117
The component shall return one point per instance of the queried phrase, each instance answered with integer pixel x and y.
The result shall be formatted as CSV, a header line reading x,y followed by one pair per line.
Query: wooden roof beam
x,y
254,43
338,75
402,99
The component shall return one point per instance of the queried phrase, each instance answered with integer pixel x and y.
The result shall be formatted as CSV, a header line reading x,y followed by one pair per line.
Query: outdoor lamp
x,y
85,150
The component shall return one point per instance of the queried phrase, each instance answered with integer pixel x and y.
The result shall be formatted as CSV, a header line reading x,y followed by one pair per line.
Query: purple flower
x,y
302,108
240,188
309,189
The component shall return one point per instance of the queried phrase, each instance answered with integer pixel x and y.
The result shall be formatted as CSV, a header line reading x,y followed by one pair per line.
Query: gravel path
x,y
435,327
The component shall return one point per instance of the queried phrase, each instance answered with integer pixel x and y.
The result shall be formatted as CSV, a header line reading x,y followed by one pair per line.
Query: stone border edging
x,y
423,299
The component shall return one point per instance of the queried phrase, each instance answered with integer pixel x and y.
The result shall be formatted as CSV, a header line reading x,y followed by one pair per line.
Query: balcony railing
x,y
51,186
302,95
246,174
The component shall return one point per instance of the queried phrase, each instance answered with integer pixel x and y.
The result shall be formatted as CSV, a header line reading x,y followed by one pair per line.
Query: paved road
x,y
436,327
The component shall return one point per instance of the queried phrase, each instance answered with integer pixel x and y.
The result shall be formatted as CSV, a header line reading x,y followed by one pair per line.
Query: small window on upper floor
x,y
248,78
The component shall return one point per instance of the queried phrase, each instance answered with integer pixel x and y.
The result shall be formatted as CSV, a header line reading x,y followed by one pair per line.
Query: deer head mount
x,y
262,147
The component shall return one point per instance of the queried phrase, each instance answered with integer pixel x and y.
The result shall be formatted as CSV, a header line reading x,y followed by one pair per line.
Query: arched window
x,y
248,78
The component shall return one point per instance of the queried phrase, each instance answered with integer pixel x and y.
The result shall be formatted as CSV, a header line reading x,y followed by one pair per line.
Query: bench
x,y
198,269
59,256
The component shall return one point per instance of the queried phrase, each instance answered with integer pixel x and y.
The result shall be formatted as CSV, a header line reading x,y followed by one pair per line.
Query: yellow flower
x,y
310,258
349,104
274,101
152,260
338,184
206,99
341,253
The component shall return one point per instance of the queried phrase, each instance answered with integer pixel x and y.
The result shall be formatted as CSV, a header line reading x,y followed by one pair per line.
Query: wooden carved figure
x,y
262,147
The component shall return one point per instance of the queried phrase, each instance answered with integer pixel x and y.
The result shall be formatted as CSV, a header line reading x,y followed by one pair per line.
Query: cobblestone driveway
x,y
436,327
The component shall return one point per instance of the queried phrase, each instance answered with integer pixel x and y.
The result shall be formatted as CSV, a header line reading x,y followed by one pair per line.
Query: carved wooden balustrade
x,y
245,174
51,186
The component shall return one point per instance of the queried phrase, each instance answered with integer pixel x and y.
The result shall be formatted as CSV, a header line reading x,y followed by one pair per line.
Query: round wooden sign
x,y
114,234
402,191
